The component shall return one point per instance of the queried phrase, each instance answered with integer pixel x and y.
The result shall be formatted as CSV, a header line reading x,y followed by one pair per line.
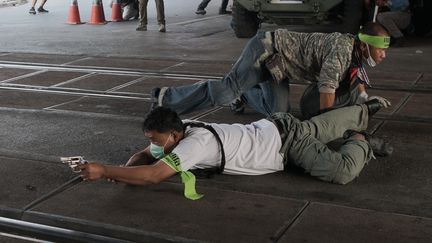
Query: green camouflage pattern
x,y
315,57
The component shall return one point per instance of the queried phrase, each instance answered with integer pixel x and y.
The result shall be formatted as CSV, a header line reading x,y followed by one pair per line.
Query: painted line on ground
x,y
105,70
23,76
73,80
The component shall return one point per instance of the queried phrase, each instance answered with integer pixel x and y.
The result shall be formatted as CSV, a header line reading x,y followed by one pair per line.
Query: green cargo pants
x,y
304,143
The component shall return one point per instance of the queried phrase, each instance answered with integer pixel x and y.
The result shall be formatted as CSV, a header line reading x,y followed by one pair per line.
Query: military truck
x,y
247,15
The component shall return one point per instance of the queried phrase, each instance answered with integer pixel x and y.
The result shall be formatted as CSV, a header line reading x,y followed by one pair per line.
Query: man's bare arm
x,y
136,175
326,100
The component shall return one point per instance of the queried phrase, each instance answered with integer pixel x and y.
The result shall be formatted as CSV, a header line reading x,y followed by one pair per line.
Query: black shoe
x,y
155,98
42,10
373,106
200,11
238,106
224,11
379,146
32,11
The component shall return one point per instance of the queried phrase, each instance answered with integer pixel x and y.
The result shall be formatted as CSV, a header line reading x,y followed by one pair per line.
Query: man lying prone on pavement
x,y
262,147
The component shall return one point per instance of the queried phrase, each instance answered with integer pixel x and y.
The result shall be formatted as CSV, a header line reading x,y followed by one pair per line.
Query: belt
x,y
279,127
283,137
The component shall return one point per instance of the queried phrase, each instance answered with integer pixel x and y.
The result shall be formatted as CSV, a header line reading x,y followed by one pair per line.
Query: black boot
x,y
379,146
373,106
238,106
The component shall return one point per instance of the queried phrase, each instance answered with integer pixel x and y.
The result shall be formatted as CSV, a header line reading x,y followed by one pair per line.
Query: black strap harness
x,y
209,172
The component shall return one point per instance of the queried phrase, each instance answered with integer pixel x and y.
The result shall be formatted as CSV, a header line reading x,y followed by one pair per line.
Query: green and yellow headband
x,y
375,41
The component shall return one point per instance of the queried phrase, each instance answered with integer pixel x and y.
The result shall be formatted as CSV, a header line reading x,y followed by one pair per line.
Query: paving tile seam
x,y
206,113
308,202
404,88
18,237
239,192
371,210
23,76
283,230
122,57
192,75
76,60
197,20
419,77
64,103
74,79
127,84
65,186
212,33
76,92
72,113
52,233
400,104
84,114
403,118
15,154
108,70
28,87
12,213
377,127
173,66
94,226
403,103
383,117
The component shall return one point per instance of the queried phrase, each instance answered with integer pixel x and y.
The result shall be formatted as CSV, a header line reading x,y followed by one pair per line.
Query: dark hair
x,y
162,120
375,29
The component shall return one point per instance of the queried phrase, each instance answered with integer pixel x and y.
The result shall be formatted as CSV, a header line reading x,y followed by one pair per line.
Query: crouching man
x,y
262,147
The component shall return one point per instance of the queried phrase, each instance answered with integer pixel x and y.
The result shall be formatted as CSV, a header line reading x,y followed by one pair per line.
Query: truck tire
x,y
244,23
353,14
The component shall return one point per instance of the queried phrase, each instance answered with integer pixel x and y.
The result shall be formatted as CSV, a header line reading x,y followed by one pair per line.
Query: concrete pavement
x,y
74,90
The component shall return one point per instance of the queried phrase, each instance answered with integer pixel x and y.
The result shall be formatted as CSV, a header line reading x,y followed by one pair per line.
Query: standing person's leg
x,y
203,4
160,15
41,7
223,7
142,26
32,9
245,74
268,97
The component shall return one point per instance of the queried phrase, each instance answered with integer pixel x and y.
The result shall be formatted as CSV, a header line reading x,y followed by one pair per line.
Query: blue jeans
x,y
248,77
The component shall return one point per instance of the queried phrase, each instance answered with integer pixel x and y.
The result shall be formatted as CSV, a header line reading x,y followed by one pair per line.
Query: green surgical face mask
x,y
157,151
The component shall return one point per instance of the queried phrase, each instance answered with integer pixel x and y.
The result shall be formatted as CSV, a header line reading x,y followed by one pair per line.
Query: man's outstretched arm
x,y
136,175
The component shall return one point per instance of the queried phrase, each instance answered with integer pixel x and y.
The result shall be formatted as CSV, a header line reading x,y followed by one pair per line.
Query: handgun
x,y
74,162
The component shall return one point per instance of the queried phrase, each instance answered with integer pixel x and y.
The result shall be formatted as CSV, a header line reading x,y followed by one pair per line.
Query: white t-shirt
x,y
251,149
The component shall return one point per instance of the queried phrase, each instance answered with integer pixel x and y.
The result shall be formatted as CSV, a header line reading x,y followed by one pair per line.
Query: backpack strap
x,y
207,173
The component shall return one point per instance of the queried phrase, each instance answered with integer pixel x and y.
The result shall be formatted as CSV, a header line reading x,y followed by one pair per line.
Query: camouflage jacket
x,y
315,57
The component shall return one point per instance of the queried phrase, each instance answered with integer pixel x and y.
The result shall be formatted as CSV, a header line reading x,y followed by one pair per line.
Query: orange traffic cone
x,y
97,13
74,16
116,13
